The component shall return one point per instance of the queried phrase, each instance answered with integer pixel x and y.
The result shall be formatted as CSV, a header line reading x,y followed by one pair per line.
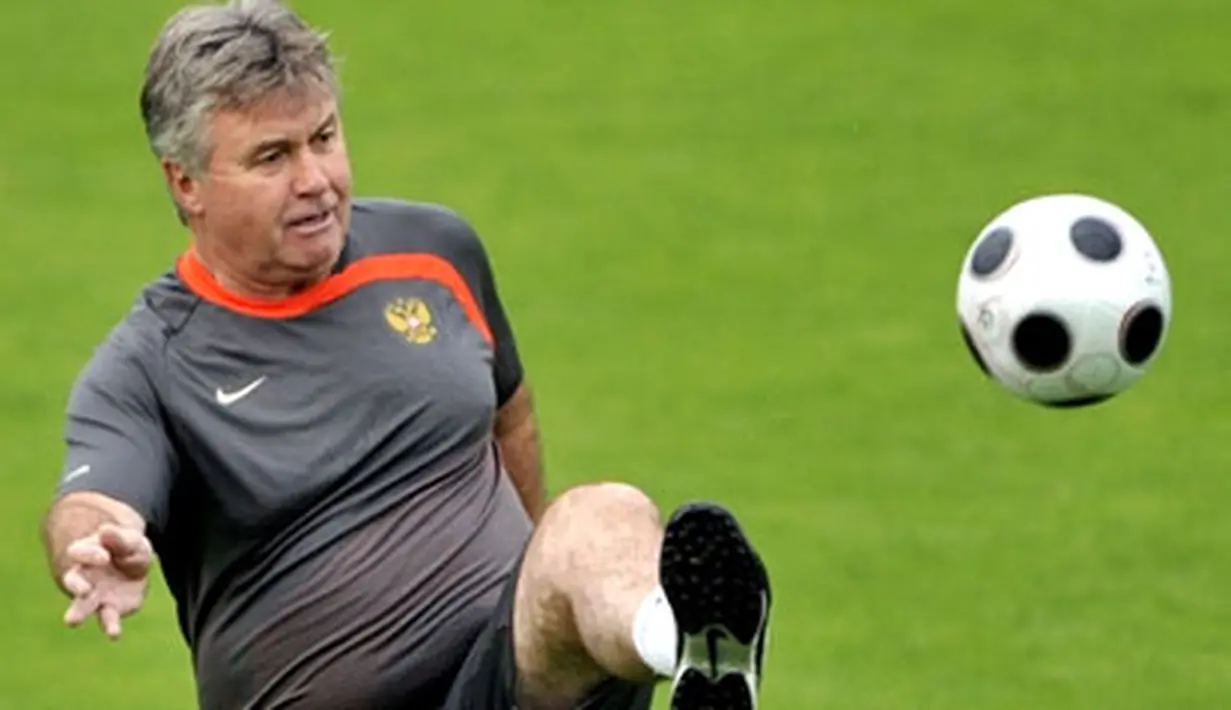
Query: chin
x,y
308,267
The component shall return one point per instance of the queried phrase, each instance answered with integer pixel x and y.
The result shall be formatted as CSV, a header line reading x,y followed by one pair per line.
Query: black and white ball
x,y
1064,300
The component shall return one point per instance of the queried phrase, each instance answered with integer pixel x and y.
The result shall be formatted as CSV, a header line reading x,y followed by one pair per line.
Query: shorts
x,y
487,679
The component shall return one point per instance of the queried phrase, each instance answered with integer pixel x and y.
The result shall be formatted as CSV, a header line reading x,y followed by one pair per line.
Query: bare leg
x,y
592,561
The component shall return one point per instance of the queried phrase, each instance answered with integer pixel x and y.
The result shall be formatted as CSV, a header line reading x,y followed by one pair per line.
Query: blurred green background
x,y
728,234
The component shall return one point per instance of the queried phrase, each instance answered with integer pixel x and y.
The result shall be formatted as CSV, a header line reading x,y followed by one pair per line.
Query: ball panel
x,y
1077,402
1096,239
1141,332
1041,342
991,252
1094,373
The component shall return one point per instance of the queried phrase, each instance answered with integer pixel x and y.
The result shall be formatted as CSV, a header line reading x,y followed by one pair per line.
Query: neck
x,y
257,281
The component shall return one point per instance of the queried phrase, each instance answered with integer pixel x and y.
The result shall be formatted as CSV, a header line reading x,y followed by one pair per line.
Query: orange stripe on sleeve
x,y
383,267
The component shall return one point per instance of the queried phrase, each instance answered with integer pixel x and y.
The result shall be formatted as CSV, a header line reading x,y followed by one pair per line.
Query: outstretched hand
x,y
108,576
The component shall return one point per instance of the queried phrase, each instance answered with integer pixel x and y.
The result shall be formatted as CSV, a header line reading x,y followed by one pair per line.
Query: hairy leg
x,y
593,560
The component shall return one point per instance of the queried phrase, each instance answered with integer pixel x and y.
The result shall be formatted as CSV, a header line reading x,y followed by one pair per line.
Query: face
x,y
272,207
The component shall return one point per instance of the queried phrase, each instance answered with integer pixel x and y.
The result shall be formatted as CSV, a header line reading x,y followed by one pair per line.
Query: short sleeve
x,y
507,368
116,436
472,259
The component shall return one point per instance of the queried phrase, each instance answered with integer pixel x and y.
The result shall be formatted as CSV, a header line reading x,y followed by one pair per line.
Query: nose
x,y
310,178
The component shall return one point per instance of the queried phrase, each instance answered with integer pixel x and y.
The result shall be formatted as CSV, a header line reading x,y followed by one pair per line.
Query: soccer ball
x,y
1064,300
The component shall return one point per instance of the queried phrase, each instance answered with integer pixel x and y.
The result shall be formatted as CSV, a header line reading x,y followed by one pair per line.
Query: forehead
x,y
281,114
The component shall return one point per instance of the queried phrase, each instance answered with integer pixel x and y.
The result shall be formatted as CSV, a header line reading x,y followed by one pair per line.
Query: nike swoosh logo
x,y
226,399
77,472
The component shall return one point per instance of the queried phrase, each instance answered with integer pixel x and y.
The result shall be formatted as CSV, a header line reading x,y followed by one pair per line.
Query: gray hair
x,y
218,57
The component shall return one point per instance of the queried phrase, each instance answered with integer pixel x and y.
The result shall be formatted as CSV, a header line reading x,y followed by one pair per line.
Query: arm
x,y
115,482
517,435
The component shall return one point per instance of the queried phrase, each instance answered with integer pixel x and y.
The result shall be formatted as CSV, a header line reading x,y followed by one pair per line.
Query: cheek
x,y
245,207
338,170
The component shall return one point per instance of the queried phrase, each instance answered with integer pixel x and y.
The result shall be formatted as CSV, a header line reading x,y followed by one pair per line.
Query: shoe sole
x,y
719,594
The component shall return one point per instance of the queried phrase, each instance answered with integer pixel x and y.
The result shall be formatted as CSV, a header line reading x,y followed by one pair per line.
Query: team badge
x,y
411,318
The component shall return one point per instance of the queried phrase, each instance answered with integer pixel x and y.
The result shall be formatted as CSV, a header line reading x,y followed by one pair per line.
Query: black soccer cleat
x,y
720,596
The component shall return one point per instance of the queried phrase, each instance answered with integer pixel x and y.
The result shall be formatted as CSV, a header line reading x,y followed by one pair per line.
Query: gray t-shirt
x,y
318,472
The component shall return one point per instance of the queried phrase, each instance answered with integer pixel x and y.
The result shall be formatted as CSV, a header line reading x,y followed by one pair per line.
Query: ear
x,y
184,188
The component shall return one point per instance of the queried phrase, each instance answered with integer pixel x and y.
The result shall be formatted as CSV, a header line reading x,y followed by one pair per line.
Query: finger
x,y
89,551
119,539
109,620
76,583
135,565
80,610
125,543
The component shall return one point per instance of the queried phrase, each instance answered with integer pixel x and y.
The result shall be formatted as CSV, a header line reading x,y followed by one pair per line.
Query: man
x,y
319,422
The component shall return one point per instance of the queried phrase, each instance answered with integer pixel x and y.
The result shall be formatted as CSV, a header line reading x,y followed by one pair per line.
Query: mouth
x,y
313,222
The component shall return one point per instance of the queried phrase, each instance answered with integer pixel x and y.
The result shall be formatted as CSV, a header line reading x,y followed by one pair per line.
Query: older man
x,y
319,422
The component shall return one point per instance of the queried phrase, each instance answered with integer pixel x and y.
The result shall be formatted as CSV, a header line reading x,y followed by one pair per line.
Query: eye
x,y
270,157
325,137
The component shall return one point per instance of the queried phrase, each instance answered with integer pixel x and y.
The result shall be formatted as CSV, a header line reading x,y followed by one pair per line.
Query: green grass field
x,y
728,234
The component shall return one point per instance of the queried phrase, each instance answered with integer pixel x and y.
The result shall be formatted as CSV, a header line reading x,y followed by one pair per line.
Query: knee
x,y
601,503
587,529
590,517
